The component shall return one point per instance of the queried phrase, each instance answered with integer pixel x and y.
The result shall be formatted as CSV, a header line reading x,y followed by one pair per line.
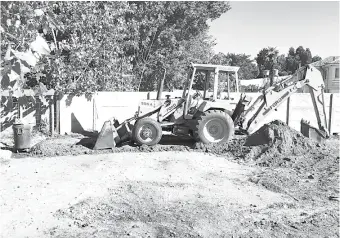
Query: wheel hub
x,y
147,133
213,129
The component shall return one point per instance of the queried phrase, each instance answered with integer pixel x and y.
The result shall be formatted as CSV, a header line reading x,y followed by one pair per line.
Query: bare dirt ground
x,y
274,183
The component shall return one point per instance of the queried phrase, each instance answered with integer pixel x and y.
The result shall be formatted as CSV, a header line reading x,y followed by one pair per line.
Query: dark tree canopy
x,y
110,45
269,58
316,58
121,46
248,69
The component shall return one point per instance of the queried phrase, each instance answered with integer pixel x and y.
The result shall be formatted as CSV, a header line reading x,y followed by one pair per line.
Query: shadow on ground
x,y
91,139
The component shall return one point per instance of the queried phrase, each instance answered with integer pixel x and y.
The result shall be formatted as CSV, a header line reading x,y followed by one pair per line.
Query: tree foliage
x,y
110,45
299,57
248,69
316,58
269,58
170,35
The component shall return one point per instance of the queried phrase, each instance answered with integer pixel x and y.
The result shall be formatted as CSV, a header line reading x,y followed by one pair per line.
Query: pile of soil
x,y
274,144
277,140
271,145
288,162
294,164
58,147
77,144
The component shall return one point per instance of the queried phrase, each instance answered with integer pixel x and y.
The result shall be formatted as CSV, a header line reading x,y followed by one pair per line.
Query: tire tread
x,y
202,116
139,123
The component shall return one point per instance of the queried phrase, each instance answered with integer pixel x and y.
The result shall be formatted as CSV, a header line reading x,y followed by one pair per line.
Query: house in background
x,y
329,68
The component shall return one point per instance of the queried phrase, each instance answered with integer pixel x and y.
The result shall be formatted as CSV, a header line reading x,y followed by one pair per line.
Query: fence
x,y
32,110
80,114
90,113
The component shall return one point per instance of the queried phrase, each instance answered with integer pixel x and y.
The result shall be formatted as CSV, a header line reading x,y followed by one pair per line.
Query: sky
x,y
250,26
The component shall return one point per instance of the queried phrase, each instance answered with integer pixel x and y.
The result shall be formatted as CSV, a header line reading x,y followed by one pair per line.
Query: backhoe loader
x,y
205,116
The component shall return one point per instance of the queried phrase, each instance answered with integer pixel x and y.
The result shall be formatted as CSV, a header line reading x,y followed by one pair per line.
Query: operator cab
x,y
207,82
210,80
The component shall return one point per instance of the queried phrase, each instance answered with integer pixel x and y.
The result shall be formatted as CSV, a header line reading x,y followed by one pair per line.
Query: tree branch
x,y
14,38
55,40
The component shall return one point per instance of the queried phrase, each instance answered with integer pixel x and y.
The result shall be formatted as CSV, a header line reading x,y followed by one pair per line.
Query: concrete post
x,y
51,115
20,109
215,84
93,114
206,84
57,113
236,79
288,111
228,81
330,114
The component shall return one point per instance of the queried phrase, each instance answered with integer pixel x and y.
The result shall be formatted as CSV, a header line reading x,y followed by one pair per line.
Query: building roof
x,y
328,60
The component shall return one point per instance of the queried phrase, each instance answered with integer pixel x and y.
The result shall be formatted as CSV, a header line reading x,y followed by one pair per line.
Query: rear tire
x,y
214,126
147,131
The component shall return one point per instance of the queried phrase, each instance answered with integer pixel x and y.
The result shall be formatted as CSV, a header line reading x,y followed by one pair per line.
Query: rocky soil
x,y
274,148
284,161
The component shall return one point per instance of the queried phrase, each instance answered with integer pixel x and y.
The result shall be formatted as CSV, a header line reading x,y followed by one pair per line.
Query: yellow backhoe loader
x,y
201,114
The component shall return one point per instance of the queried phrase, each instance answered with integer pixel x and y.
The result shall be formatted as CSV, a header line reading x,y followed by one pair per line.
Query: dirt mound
x,y
77,144
59,146
296,162
280,139
271,145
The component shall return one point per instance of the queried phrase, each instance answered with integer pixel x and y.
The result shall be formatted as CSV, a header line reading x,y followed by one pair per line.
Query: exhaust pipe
x,y
161,86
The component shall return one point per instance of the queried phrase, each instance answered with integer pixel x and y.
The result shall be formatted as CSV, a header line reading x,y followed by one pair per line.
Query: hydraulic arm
x,y
275,95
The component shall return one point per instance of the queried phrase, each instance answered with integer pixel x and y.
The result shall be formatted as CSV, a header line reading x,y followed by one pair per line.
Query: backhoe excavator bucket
x,y
113,133
312,132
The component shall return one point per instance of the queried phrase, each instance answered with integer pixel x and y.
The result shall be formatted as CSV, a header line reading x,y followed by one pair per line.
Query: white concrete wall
x,y
122,105
81,107
103,106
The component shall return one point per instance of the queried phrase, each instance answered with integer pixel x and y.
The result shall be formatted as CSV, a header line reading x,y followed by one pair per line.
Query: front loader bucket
x,y
312,132
108,136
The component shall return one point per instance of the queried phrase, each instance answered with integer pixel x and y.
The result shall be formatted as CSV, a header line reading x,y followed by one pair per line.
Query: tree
x,y
309,56
25,46
87,46
282,65
303,57
163,31
267,60
110,45
248,69
220,59
316,58
84,38
291,51
295,59
291,63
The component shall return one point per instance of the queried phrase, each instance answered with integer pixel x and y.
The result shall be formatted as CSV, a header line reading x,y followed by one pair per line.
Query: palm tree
x,y
267,60
272,61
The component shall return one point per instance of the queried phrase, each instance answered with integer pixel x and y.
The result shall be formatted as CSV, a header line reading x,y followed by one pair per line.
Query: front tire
x,y
214,126
147,131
